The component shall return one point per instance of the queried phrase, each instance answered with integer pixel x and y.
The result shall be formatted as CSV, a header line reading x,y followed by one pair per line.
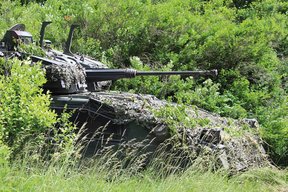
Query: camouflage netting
x,y
233,144
66,74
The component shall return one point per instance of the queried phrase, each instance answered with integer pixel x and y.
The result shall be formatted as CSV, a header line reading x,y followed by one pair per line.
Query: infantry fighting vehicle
x,y
116,119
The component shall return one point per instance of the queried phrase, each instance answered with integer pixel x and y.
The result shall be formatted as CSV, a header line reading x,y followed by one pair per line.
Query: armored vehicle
x,y
124,120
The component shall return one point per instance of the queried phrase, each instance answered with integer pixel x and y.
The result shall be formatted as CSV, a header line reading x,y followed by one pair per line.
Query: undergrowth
x,y
64,177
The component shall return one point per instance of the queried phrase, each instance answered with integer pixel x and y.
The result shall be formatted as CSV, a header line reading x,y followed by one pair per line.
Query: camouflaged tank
x,y
131,121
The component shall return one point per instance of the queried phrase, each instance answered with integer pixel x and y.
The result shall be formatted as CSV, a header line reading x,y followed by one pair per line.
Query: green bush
x,y
24,109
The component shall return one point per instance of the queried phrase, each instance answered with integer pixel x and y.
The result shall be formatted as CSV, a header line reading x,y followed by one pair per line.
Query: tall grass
x,y
109,171
57,178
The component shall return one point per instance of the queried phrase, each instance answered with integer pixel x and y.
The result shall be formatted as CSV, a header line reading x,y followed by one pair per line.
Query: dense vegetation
x,y
247,41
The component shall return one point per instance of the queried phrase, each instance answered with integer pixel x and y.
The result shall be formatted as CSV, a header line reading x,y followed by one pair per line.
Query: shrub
x,y
24,109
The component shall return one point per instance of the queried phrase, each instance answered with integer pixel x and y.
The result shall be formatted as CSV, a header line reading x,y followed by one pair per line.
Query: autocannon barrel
x,y
94,75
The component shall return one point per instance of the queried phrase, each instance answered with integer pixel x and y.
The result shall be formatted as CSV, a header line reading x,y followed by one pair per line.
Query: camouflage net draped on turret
x,y
66,74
